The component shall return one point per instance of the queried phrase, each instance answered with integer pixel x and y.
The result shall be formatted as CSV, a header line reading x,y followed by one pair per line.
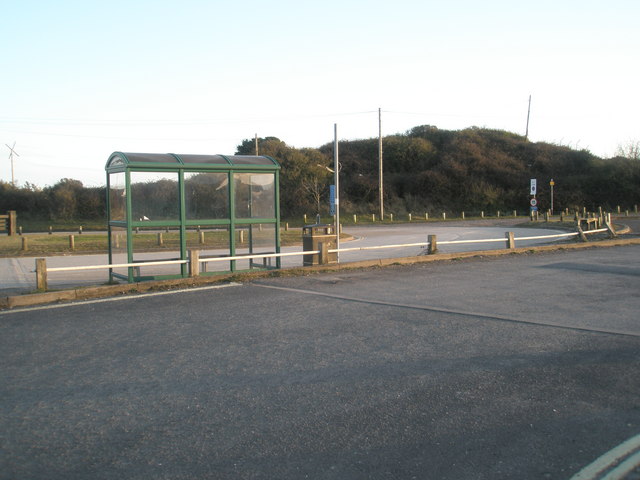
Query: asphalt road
x,y
17,274
514,367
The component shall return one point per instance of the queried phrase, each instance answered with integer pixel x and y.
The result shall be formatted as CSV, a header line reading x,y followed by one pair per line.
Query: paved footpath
x,y
520,367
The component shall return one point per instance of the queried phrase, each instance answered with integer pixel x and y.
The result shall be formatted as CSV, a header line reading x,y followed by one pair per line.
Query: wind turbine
x,y
11,154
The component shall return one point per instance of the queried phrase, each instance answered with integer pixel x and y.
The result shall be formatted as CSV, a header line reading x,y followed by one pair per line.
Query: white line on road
x,y
117,299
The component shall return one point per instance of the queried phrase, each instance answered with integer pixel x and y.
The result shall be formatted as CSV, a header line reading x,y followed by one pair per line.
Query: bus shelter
x,y
160,206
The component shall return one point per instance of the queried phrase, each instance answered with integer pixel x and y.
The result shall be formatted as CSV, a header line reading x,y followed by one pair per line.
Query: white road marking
x,y
117,299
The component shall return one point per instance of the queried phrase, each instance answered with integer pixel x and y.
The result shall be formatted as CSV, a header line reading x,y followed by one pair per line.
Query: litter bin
x,y
312,238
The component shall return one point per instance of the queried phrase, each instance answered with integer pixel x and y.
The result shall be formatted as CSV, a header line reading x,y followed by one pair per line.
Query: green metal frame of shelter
x,y
227,194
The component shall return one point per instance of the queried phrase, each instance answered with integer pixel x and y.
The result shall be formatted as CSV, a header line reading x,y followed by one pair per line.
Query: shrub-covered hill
x,y
425,170
470,170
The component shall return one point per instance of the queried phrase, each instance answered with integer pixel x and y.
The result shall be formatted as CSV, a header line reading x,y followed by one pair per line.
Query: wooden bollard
x,y
515,213
462,215
116,240
201,238
80,230
482,214
286,227
444,215
194,263
511,240
426,216
72,242
41,274
19,230
433,244
25,244
498,213
241,233
373,217
50,230
305,218
355,218
409,217
160,239
391,217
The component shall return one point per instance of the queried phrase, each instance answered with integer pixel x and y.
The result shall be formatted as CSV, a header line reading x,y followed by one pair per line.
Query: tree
x,y
630,150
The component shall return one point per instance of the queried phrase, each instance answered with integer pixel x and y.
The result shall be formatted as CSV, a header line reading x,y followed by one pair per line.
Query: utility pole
x,y
336,173
11,154
380,179
526,135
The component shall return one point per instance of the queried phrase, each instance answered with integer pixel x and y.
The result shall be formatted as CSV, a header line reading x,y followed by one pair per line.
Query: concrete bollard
x,y
355,218
25,244
433,244
426,216
72,242
498,213
511,240
409,217
481,214
194,263
41,274
444,215
391,217
462,215
373,217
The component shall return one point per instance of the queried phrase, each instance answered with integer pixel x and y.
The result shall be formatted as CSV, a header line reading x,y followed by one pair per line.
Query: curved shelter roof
x,y
119,160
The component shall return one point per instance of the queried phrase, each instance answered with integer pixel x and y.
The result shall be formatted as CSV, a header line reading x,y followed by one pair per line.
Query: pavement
x,y
520,366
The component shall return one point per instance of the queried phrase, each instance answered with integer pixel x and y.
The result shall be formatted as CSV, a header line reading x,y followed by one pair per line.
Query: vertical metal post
x,y
380,179
336,173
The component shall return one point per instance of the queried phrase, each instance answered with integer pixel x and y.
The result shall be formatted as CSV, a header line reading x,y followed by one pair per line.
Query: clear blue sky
x,y
83,79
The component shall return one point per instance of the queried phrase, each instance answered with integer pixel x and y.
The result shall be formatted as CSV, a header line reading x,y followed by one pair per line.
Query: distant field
x,y
87,243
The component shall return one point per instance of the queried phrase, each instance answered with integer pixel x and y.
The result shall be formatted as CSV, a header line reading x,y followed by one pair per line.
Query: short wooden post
x,y
116,239
444,215
80,230
481,214
515,213
610,228
201,237
426,216
391,217
72,242
25,244
581,234
50,230
498,213
323,258
626,213
635,209
286,227
241,233
41,274
462,215
194,262
20,230
304,218
11,223
561,217
433,244
409,217
160,239
355,218
373,217
618,208
511,240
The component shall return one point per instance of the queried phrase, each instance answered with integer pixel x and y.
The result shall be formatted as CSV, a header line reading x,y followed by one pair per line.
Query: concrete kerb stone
x,y
85,293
